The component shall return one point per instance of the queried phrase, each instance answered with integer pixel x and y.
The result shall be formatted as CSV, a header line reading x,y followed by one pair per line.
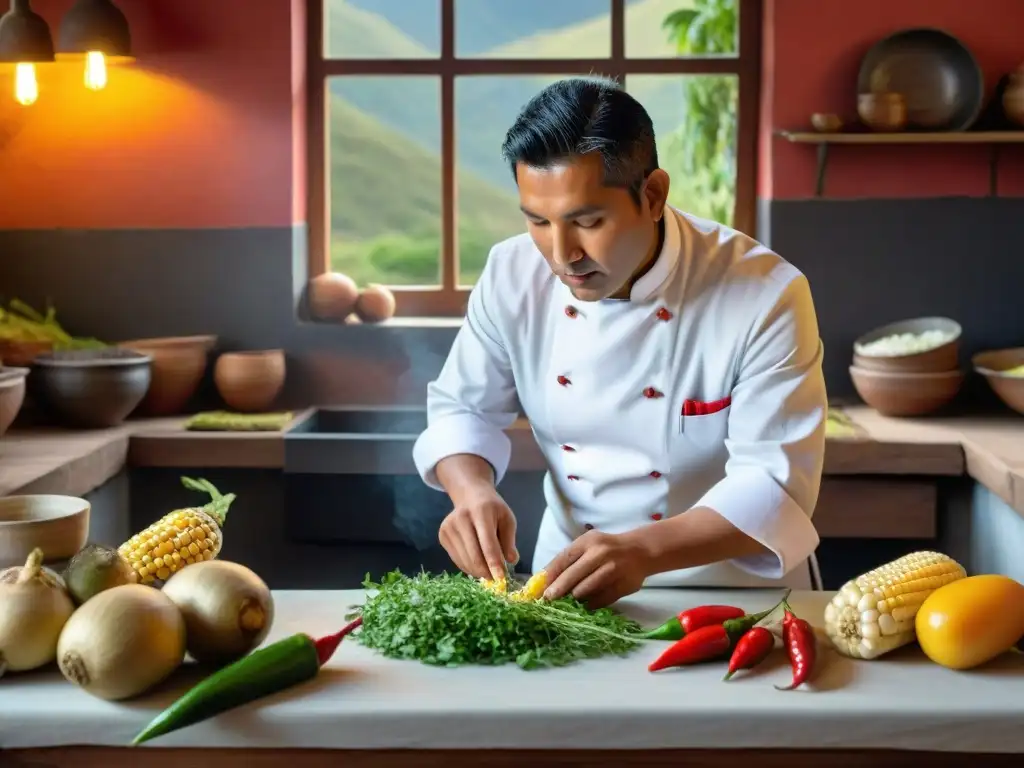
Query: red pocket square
x,y
701,408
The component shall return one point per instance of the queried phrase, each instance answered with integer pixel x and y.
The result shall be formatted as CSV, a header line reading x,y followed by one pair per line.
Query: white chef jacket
x,y
704,388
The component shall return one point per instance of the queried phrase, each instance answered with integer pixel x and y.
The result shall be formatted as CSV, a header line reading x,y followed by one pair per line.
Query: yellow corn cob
x,y
497,586
532,590
181,537
874,613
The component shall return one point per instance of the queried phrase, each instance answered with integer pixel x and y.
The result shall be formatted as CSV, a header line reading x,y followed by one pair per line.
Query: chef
x,y
669,367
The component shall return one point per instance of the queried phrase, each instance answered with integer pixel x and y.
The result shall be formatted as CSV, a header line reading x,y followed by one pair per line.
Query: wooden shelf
x,y
905,137
993,139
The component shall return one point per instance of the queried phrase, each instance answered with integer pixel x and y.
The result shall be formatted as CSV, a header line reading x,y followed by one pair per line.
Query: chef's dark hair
x,y
579,116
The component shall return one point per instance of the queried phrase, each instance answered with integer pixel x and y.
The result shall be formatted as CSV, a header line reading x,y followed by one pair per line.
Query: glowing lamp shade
x,y
96,31
25,41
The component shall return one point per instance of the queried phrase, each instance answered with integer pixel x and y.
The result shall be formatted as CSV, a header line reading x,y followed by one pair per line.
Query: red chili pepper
x,y
703,644
802,647
705,615
693,618
751,650
280,665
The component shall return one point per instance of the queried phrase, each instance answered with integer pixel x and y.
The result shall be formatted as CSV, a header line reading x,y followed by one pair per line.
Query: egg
x,y
332,296
969,622
375,304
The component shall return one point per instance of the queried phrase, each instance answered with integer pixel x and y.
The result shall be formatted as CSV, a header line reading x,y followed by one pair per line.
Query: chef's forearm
x,y
697,537
463,475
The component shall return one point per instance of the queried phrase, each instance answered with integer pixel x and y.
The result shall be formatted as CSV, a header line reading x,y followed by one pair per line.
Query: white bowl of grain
x,y
918,345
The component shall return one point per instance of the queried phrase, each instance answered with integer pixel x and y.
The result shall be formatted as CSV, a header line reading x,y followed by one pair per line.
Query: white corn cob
x,y
874,613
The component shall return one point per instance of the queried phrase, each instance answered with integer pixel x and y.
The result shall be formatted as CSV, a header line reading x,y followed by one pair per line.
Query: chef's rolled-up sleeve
x,y
776,436
473,400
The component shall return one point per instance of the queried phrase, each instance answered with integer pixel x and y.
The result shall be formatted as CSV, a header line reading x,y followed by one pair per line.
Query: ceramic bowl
x,y
906,394
940,358
179,364
995,365
91,388
250,381
883,112
58,525
12,395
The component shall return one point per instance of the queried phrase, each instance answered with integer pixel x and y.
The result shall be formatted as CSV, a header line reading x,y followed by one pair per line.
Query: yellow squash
x,y
969,622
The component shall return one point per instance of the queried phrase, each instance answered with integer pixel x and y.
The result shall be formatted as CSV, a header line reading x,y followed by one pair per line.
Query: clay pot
x,y
250,381
1013,98
883,112
906,394
90,388
12,395
178,366
826,122
22,353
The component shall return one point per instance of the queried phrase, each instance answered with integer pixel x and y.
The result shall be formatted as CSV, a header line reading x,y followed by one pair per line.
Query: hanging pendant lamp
x,y
97,31
25,41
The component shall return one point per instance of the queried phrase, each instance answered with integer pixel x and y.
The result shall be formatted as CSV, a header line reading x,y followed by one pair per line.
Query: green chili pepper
x,y
288,662
670,630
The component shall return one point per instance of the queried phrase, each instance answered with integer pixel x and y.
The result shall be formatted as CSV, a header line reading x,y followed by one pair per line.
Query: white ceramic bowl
x,y
59,525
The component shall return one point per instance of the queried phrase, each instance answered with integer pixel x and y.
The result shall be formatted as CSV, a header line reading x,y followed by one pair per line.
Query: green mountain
x,y
385,199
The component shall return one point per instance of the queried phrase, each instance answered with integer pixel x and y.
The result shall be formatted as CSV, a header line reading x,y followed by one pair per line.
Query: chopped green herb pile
x,y
451,620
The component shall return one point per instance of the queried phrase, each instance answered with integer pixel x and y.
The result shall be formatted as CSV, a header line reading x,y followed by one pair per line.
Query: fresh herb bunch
x,y
451,620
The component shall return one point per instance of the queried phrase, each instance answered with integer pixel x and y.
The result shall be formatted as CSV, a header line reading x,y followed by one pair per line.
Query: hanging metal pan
x,y
939,77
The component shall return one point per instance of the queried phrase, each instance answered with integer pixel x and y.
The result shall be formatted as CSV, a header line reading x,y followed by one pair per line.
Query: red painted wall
x,y
201,131
813,49
206,129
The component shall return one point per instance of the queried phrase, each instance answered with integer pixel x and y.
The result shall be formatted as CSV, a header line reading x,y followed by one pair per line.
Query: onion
x,y
34,608
228,609
122,642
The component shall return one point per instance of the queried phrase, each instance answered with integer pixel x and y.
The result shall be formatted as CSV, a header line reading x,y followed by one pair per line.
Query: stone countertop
x,y
989,449
364,701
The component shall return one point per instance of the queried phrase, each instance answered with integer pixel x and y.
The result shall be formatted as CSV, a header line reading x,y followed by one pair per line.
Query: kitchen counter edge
x,y
36,460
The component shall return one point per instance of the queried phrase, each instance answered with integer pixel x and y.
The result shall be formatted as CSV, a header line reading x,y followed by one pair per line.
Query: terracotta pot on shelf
x,y
179,363
250,381
22,353
1013,97
883,112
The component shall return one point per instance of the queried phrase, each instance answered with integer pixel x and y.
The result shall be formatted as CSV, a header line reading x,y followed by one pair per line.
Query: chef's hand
x,y
480,535
598,569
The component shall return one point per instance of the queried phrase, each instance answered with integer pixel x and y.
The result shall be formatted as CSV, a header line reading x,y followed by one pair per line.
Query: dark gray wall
x,y
243,284
870,262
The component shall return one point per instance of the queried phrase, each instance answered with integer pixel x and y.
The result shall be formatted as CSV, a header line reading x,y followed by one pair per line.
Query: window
x,y
410,99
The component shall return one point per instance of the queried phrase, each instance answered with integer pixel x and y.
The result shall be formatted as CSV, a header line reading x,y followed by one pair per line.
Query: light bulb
x,y
26,88
95,71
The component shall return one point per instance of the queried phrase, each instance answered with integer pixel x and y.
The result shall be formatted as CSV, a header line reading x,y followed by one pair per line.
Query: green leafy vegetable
x,y
451,620
22,323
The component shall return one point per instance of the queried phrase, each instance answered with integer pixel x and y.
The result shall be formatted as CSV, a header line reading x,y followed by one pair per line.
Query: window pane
x,y
669,28
533,29
382,29
695,124
385,179
488,204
